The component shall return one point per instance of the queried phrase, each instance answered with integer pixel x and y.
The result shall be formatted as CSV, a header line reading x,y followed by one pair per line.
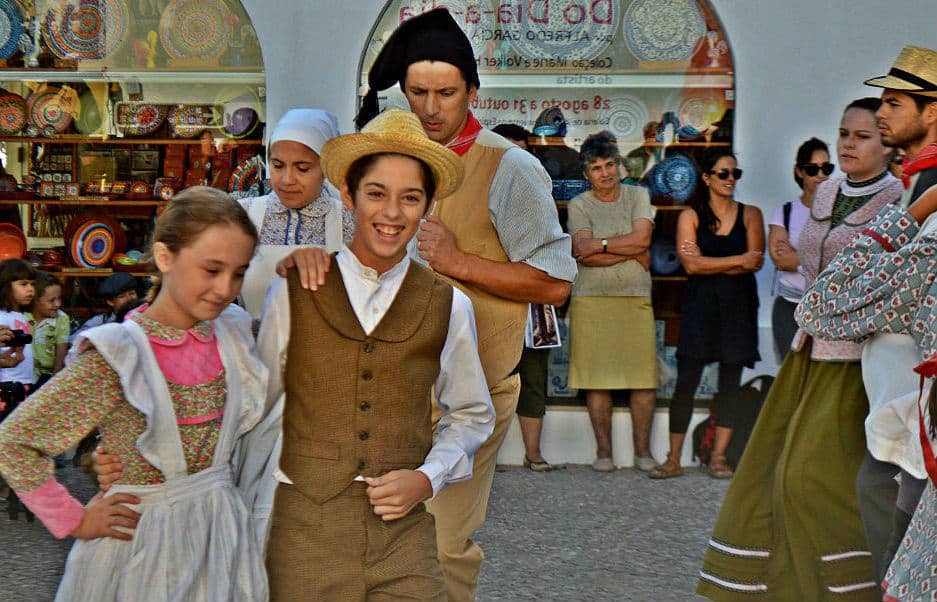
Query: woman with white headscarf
x,y
301,210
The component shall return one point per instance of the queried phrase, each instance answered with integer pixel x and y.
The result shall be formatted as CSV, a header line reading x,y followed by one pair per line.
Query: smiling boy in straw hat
x,y
358,454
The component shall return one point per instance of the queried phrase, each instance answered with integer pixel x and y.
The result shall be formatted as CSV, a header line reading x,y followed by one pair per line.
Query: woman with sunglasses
x,y
721,246
789,527
812,167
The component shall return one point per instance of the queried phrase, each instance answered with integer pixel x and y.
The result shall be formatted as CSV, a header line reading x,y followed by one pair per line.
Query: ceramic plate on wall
x,y
627,116
12,242
673,179
663,30
11,27
85,29
140,119
45,109
12,113
188,121
196,29
245,175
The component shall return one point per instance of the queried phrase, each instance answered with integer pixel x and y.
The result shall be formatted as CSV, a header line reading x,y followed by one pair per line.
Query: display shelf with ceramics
x,y
110,107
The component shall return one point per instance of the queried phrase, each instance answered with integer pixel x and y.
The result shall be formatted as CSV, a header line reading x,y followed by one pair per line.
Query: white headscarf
x,y
312,127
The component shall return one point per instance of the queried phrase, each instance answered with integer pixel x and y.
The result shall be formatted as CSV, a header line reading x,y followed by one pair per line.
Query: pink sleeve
x,y
56,508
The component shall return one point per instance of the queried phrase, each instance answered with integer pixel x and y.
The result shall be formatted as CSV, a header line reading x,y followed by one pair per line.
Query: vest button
x,y
366,375
365,406
368,347
361,465
363,435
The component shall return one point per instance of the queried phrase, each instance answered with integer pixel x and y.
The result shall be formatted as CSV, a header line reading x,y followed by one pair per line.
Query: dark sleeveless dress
x,y
720,315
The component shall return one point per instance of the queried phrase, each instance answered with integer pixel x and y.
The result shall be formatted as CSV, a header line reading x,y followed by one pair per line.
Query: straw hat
x,y
914,72
396,132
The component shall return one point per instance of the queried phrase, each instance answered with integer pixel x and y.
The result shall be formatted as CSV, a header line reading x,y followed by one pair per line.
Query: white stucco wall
x,y
798,63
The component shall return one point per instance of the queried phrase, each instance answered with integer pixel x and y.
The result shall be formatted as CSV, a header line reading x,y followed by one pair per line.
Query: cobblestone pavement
x,y
568,535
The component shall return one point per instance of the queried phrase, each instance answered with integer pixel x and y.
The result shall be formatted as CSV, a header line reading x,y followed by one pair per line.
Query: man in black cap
x,y
497,238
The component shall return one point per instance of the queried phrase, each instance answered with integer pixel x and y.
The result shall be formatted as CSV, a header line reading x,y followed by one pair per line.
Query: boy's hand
x,y
102,514
312,263
108,467
394,494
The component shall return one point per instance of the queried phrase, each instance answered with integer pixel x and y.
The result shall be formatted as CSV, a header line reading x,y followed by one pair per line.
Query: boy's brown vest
x,y
500,322
356,403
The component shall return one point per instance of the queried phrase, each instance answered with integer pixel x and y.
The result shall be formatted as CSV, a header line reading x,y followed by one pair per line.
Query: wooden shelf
x,y
101,273
670,207
669,278
79,203
79,139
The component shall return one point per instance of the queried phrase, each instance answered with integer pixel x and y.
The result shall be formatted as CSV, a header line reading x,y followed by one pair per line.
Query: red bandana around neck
x,y
926,159
461,143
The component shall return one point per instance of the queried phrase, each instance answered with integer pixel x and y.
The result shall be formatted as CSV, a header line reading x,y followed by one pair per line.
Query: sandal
x,y
719,469
541,466
669,469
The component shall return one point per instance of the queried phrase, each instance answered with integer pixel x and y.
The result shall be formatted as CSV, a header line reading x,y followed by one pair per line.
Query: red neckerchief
x,y
461,143
926,370
926,159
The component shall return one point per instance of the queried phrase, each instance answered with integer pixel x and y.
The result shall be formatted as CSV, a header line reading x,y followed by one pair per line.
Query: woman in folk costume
x,y
884,283
172,389
302,210
789,527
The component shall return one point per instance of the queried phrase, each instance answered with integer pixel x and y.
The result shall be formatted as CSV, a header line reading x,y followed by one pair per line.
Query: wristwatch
x,y
605,245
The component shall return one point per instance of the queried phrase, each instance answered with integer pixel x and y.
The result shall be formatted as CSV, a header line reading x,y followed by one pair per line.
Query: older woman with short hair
x,y
612,338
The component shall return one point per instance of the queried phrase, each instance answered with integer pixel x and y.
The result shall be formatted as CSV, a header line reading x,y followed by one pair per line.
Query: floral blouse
x,y
88,395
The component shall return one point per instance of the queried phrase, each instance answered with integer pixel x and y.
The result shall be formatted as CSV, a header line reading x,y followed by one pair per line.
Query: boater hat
x,y
393,132
914,72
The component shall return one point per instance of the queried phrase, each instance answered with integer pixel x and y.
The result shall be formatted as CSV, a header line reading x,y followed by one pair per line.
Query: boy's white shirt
x,y
460,389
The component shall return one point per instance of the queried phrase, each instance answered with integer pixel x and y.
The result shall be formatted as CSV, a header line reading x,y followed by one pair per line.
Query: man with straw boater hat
x,y
908,121
497,238
359,456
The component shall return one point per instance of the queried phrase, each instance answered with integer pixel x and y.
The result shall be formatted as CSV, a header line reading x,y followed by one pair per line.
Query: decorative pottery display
x,y
45,109
139,187
627,116
189,121
245,175
165,188
92,239
85,29
196,29
664,259
90,116
12,113
12,242
663,30
673,179
140,119
240,123
11,27
700,109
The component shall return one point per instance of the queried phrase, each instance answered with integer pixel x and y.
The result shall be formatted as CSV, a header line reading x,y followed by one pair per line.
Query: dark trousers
x,y
885,507
689,373
783,326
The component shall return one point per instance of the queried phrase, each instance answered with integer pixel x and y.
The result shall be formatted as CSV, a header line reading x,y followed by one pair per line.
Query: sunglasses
x,y
724,173
812,169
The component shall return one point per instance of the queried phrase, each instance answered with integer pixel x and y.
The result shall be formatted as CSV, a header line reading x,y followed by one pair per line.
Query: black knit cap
x,y
431,36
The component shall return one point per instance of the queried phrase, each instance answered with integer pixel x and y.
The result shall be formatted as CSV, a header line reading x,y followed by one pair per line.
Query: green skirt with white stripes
x,y
789,527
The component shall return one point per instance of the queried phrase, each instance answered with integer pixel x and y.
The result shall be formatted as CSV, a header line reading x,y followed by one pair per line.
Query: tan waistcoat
x,y
356,403
500,322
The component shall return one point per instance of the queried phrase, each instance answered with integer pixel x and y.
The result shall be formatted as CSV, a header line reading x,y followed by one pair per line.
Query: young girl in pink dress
x,y
171,389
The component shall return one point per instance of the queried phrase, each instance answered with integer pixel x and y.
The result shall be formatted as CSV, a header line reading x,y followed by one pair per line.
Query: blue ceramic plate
x,y
11,27
673,179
